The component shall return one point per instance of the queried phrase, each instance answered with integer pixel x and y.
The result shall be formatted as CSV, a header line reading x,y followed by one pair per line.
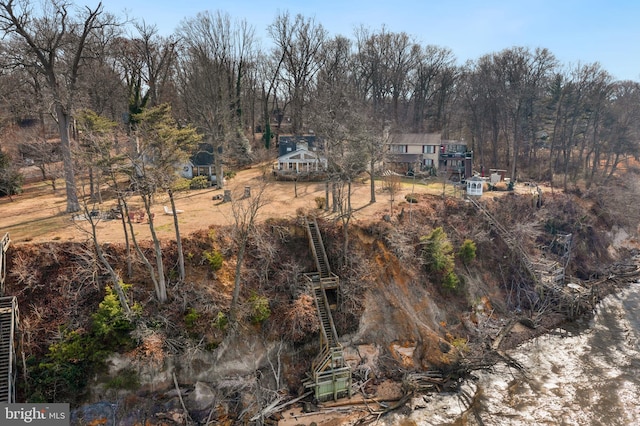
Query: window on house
x,y
399,149
428,149
428,162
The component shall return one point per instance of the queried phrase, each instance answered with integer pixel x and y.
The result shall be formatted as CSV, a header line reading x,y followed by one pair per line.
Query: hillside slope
x,y
393,317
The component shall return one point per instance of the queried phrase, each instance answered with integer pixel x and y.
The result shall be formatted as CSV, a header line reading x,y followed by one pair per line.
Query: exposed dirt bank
x,y
394,319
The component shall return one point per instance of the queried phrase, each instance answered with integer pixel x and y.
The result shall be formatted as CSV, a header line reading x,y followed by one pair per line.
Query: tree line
x,y
519,109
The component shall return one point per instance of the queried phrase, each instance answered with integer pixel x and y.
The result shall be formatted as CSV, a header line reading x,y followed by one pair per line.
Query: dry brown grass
x,y
38,214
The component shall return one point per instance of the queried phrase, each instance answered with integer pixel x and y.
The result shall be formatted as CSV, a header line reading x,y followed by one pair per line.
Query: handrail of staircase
x,y
4,246
4,243
9,305
324,252
313,248
317,255
505,234
321,359
11,373
324,340
326,304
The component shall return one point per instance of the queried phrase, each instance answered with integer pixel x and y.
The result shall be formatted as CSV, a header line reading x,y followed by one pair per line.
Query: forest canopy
x,y
518,109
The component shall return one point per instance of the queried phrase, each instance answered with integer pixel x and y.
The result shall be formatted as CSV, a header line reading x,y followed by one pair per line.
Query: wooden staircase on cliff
x,y
317,249
330,376
8,337
545,275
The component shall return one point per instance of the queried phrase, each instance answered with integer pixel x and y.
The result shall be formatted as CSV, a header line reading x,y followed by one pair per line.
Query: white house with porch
x,y
301,161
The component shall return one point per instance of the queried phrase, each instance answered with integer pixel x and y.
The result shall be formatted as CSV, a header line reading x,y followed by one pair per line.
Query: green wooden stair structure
x,y
330,376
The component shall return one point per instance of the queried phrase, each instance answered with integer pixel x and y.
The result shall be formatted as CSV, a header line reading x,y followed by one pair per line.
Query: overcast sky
x,y
575,31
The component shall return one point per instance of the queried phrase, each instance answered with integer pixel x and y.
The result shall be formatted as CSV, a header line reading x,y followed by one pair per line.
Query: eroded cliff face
x,y
392,317
401,315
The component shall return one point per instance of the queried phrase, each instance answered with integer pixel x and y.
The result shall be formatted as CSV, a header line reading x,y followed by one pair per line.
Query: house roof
x,y
288,143
297,138
203,156
416,139
423,139
300,154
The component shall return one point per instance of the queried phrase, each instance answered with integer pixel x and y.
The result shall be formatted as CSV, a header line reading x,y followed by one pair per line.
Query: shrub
x,y
438,257
173,274
181,184
436,251
467,252
213,258
229,174
450,281
411,198
110,322
221,321
63,374
10,178
191,318
199,182
320,202
260,310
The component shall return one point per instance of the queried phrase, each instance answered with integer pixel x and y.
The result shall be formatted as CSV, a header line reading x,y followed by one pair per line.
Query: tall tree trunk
x,y
334,195
326,196
162,285
126,237
92,189
373,182
152,273
181,271
217,163
65,146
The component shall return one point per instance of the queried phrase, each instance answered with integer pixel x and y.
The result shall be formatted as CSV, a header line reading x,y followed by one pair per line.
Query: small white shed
x,y
474,186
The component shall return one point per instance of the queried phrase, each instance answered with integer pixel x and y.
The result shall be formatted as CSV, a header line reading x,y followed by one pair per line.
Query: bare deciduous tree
x,y
300,43
245,212
392,184
55,43
214,59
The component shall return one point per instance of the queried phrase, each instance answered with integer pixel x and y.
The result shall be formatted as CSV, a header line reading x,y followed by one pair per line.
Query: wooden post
x,y
4,246
227,196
